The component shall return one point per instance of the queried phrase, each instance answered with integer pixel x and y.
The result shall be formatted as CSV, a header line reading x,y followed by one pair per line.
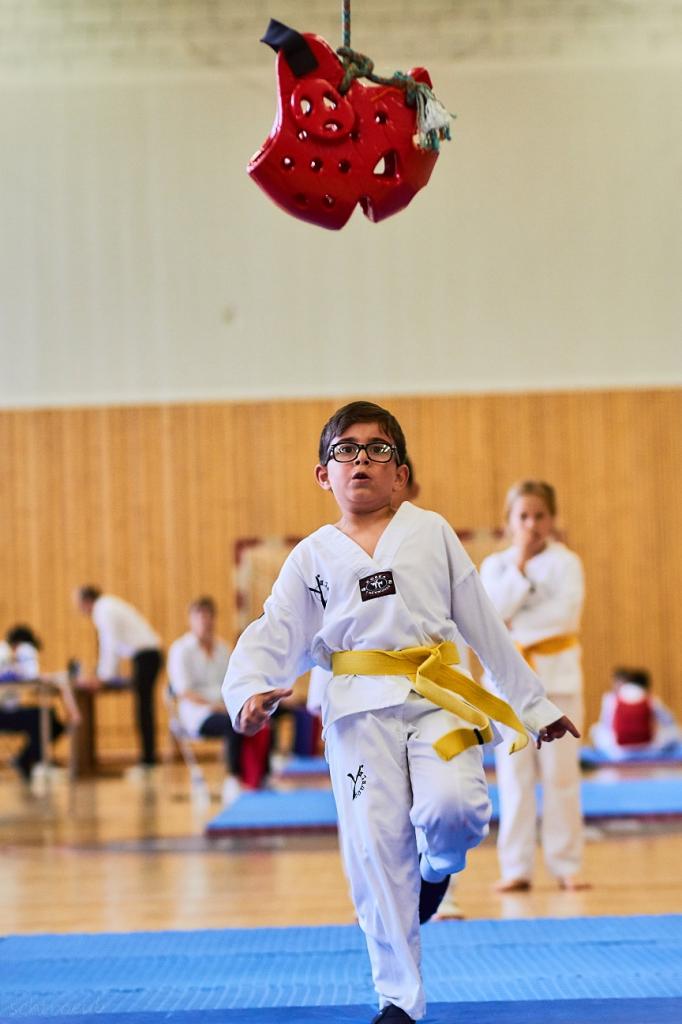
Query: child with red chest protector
x,y
632,720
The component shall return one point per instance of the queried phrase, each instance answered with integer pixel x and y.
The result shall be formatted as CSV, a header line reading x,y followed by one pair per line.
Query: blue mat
x,y
589,757
300,810
671,755
314,809
296,766
576,970
565,1011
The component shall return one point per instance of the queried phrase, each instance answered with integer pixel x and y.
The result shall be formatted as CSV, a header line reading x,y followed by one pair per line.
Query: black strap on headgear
x,y
296,50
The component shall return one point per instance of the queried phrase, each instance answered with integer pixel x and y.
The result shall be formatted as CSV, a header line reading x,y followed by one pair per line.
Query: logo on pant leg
x,y
359,781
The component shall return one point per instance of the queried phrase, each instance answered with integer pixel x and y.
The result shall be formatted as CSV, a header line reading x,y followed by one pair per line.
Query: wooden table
x,y
84,741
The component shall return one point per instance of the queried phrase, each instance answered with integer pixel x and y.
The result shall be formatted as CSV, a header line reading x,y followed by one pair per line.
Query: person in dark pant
x,y
124,633
18,663
197,662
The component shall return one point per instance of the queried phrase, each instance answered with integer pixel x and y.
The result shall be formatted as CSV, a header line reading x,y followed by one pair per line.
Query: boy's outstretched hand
x,y
258,709
555,730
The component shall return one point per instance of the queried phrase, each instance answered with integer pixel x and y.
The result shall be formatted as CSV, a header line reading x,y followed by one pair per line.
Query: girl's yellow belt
x,y
551,645
433,675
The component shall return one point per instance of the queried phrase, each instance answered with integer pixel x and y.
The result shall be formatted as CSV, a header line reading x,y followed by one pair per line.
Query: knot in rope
x,y
433,120
409,84
356,64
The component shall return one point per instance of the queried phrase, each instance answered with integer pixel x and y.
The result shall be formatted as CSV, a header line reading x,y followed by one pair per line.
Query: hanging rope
x,y
433,120
345,22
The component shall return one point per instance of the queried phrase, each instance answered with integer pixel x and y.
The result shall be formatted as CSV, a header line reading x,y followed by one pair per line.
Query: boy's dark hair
x,y
89,592
638,676
205,603
21,634
362,412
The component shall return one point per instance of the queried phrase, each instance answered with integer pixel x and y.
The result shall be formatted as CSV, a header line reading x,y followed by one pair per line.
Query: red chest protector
x,y
633,721
328,152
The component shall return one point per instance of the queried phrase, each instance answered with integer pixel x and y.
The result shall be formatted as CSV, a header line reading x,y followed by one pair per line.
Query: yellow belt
x,y
552,645
432,673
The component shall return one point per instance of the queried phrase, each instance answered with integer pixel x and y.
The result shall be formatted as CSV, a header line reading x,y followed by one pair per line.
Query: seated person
x,y
632,720
197,663
19,662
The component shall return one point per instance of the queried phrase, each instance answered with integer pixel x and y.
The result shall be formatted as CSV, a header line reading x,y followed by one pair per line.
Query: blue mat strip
x,y
589,757
570,1011
164,974
671,755
315,808
296,766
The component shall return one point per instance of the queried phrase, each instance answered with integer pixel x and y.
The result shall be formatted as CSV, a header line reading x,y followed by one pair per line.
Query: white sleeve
x,y
607,709
483,630
275,649
317,684
26,660
179,674
662,714
505,585
107,635
559,611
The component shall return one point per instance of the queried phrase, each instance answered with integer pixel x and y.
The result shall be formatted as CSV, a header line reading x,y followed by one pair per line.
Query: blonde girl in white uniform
x,y
537,586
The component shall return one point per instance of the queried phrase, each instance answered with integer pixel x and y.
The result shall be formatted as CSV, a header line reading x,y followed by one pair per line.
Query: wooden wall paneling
x,y
12,523
180,493
214,516
592,535
664,508
640,532
28,533
577,435
105,486
117,573
149,502
45,563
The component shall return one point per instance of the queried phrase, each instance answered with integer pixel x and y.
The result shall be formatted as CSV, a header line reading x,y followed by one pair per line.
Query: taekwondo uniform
x,y
192,670
542,608
401,806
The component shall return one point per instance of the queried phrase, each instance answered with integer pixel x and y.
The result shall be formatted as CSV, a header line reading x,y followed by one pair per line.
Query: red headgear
x,y
328,151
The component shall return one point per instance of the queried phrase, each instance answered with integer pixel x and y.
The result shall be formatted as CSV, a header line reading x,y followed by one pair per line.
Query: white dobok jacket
x,y
419,588
544,601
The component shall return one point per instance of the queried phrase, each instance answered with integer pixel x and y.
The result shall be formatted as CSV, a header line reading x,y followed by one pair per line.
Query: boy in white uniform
x,y
537,586
377,597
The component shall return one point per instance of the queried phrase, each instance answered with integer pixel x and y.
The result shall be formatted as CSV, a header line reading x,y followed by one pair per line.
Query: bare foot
x,y
573,883
512,885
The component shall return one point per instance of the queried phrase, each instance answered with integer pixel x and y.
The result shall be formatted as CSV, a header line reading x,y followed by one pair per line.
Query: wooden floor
x,y
113,855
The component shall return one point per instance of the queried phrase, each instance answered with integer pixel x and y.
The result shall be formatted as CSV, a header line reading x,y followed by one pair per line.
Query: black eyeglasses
x,y
348,451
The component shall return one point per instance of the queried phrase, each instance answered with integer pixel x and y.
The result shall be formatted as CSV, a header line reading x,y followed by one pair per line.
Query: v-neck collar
x,y
387,545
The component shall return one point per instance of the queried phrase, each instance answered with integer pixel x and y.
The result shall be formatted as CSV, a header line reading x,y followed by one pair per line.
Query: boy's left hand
x,y
257,710
555,730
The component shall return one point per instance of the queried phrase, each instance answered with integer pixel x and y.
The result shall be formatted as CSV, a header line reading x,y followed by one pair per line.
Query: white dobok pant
x,y
396,800
557,766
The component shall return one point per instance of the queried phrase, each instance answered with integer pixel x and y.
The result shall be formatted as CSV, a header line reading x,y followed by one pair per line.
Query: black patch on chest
x,y
379,584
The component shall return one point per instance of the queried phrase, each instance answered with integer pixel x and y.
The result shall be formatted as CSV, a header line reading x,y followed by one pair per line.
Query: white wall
x,y
138,262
